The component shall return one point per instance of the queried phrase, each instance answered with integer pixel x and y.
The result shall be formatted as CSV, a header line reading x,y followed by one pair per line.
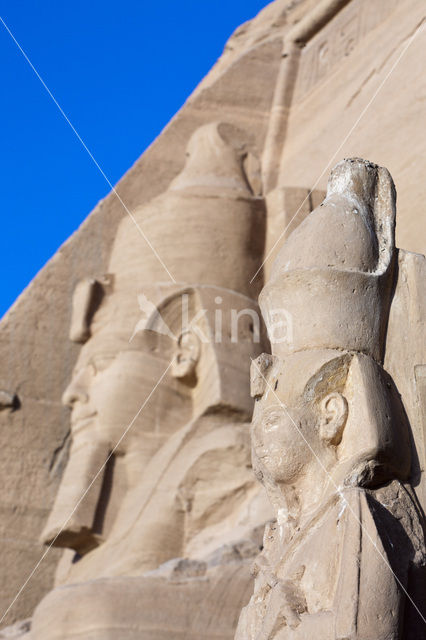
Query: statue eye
x,y
100,363
271,423
84,370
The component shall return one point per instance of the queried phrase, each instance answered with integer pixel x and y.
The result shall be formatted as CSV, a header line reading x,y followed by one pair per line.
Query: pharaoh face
x,y
130,391
291,428
280,428
118,380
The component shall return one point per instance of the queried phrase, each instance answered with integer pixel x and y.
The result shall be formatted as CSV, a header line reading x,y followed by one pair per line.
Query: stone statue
x,y
162,383
331,442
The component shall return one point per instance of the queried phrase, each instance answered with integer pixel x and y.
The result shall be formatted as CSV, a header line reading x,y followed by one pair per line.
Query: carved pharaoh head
x,y
323,399
169,333
327,412
207,231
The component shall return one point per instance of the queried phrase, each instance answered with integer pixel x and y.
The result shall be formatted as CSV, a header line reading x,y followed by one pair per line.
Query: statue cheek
x,y
278,435
108,395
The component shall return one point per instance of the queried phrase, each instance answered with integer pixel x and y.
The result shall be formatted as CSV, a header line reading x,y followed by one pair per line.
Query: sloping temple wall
x,y
354,87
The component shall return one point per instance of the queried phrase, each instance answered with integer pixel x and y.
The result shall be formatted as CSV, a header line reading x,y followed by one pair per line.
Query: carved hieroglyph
x,y
162,381
345,556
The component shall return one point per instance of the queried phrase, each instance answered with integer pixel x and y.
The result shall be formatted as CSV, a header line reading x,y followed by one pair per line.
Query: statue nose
x,y
76,390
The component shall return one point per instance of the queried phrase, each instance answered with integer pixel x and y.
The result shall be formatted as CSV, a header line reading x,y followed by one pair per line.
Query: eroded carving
x,y
345,557
163,383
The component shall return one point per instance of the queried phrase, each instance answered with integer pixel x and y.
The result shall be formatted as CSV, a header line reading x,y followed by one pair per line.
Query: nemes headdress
x,y
208,229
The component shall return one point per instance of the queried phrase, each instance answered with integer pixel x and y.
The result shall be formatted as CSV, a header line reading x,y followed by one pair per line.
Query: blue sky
x,y
120,71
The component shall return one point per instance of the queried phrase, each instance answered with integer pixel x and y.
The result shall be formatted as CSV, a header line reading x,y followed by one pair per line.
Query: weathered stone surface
x,y
160,392
351,98
294,117
342,466
36,356
18,631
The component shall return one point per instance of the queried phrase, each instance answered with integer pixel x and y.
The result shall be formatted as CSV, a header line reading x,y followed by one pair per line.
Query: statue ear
x,y
334,413
186,356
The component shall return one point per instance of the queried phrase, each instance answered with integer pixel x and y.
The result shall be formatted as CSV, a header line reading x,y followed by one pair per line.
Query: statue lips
x,y
81,418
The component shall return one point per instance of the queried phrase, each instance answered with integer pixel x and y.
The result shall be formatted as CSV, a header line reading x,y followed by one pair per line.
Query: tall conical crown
x,y
207,228
331,280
